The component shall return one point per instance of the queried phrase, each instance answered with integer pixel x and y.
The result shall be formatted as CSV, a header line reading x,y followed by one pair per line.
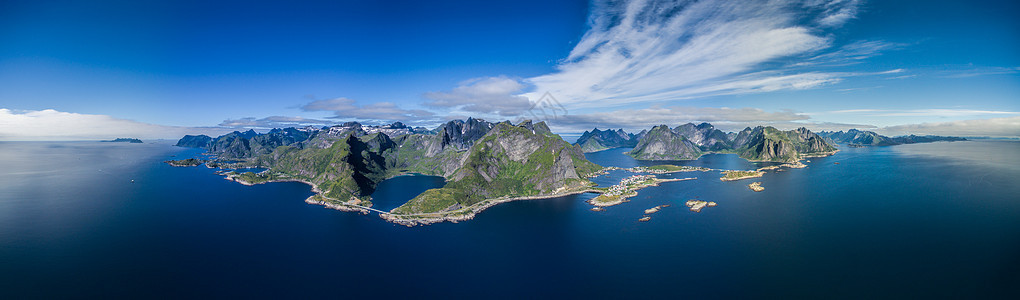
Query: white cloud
x,y
996,127
637,119
273,122
492,95
37,125
655,51
931,112
837,12
850,54
344,108
975,71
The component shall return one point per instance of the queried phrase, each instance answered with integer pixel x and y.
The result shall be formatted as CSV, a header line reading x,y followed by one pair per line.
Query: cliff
x,y
508,161
705,136
771,144
194,141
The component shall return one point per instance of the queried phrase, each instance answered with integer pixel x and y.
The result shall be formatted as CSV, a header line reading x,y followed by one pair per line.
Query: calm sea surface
x,y
919,221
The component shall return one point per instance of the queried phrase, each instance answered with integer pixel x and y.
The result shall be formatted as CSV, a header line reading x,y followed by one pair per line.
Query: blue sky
x,y
163,69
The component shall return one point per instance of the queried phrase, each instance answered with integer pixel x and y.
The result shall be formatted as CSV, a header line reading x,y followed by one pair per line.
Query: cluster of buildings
x,y
623,187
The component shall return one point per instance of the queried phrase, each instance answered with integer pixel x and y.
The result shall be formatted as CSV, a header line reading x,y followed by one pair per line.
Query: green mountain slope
x,y
480,160
771,144
508,161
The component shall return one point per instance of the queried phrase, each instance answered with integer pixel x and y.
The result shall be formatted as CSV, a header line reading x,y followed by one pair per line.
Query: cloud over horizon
x,y
492,95
347,108
49,124
274,122
636,119
995,127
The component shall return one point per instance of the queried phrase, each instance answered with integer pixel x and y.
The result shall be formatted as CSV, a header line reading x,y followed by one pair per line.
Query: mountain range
x,y
480,160
860,138
690,141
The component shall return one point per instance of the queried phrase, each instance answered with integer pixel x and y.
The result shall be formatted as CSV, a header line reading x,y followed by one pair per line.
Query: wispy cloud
x,y
637,119
836,13
50,124
654,51
995,127
975,71
931,112
273,122
344,108
849,54
492,95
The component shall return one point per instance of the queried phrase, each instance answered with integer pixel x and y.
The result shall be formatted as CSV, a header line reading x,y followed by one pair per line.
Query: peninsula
x,y
627,188
484,163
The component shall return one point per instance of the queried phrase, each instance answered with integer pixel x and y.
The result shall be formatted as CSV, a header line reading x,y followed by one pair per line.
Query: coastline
x,y
631,193
468,213
317,198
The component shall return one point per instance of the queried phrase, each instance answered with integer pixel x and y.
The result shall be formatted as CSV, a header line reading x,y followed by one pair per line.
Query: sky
x,y
150,69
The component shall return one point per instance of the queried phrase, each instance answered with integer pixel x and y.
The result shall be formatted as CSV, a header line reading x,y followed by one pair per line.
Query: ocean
x,y
939,220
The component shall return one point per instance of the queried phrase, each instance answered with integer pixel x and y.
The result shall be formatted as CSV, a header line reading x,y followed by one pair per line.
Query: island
x,y
697,205
124,140
653,210
667,169
738,175
484,164
191,162
756,186
855,138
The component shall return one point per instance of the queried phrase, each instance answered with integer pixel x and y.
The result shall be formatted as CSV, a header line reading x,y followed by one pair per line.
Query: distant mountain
x,y
125,140
914,139
690,141
249,144
194,141
663,143
598,140
705,136
856,137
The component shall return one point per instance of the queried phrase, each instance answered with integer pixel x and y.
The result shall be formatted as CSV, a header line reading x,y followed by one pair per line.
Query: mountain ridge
x,y
480,160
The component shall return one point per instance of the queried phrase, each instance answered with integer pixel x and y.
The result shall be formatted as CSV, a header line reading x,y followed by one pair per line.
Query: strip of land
x,y
627,188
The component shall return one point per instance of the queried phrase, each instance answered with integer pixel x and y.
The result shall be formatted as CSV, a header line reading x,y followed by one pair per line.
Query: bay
x,y
924,220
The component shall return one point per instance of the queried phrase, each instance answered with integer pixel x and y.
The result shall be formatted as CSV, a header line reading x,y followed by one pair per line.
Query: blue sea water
x,y
938,220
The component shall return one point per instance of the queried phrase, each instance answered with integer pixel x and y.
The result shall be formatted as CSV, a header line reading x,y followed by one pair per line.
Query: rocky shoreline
x,y
698,205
